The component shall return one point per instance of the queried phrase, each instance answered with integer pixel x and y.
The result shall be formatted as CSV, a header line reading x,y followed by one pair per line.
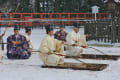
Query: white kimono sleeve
x,y
59,46
29,41
44,47
69,39
82,40
1,52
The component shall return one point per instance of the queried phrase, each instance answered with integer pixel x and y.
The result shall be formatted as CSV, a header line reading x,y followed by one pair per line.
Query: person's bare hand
x,y
29,50
63,42
87,35
13,42
18,42
58,34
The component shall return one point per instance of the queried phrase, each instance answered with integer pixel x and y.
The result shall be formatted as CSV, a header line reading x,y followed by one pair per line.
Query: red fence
x,y
31,19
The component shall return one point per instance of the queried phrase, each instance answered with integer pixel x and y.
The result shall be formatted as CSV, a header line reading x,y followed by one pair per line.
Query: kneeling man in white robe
x,y
75,42
1,51
27,35
51,50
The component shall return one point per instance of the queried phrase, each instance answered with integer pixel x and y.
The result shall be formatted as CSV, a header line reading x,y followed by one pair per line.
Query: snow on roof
x,y
95,6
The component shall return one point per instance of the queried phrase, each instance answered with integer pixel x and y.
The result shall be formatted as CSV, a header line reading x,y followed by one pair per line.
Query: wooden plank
x,y
96,56
79,66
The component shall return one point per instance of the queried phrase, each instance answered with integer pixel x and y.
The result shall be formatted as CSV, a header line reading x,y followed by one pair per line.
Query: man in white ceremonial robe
x,y
75,42
1,51
51,50
27,35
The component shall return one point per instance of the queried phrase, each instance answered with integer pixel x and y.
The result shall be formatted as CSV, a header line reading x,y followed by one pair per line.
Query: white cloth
x,y
78,40
49,44
29,41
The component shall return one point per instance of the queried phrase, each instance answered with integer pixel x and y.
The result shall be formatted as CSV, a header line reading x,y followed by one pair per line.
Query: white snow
x,y
30,69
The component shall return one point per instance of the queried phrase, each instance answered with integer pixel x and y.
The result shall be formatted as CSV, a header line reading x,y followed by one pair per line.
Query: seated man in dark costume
x,y
17,47
61,34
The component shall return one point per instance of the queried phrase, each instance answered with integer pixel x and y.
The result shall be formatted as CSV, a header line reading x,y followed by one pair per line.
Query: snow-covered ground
x,y
30,69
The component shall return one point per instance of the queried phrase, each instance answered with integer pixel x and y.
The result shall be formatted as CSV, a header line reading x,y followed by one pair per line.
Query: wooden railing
x,y
32,19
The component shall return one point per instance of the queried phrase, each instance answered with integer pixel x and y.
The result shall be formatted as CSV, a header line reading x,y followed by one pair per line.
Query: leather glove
x,y
50,53
74,45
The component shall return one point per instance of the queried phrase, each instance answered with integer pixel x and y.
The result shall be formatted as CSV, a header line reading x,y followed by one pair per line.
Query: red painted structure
x,y
24,19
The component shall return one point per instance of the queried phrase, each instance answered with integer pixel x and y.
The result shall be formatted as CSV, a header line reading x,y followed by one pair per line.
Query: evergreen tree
x,y
99,3
25,6
48,6
37,5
